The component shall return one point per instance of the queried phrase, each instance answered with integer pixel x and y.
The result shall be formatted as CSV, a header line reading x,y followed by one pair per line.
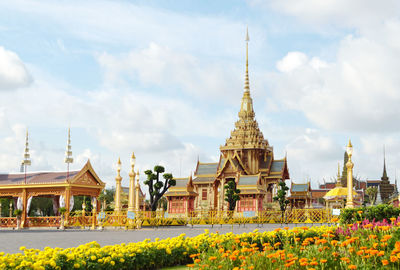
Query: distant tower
x,y
27,157
68,153
385,188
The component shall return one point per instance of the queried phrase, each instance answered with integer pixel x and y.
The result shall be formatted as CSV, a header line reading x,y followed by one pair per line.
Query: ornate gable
x,y
87,176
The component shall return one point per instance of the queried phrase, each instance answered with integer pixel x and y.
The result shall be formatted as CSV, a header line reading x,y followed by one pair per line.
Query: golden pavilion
x,y
246,158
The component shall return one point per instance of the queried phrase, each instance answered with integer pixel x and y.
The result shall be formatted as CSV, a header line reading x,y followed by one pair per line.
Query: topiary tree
x,y
231,194
158,188
281,198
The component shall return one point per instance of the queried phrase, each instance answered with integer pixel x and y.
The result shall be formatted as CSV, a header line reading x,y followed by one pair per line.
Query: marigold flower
x,y
385,262
352,266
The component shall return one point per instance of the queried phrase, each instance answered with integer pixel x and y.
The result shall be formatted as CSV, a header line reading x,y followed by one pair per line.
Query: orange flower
x,y
360,212
385,262
197,260
352,266
323,261
212,258
190,265
232,257
393,258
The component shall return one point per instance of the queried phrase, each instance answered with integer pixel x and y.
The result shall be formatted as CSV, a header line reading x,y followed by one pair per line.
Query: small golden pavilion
x,y
246,158
336,197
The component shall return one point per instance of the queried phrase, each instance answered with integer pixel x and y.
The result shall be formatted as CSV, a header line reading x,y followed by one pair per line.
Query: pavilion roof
x,y
36,178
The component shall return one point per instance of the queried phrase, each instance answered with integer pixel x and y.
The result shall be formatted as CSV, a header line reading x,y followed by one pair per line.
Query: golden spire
x,y
27,157
246,109
338,182
246,78
68,151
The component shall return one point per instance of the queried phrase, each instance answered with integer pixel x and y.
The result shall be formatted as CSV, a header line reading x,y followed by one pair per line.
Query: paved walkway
x,y
10,240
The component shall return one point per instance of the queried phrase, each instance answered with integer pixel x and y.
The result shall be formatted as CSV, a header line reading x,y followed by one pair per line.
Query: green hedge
x,y
377,213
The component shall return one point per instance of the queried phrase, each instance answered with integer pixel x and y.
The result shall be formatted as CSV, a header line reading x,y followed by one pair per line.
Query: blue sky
x,y
165,78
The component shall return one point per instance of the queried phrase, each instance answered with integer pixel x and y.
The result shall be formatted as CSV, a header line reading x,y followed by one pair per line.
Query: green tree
x,y
78,201
231,194
5,207
158,188
42,206
372,192
107,196
281,198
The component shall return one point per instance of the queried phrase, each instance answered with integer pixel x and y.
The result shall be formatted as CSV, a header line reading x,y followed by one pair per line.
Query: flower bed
x,y
354,246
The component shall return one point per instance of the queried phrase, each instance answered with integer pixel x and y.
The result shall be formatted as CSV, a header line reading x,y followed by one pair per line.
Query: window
x,y
204,194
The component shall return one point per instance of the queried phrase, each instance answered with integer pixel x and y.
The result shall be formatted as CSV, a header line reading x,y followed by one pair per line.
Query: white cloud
x,y
292,61
359,91
342,13
161,66
13,73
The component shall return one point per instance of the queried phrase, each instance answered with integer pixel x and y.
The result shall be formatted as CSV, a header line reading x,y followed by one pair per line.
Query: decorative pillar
x,y
118,180
222,194
131,198
349,165
94,210
24,204
11,207
137,187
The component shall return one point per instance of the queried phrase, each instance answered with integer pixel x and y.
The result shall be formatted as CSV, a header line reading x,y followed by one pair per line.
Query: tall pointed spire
x,y
246,78
338,180
246,108
68,153
27,157
384,175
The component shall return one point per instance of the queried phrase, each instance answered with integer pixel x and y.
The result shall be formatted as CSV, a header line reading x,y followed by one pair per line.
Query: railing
x,y
43,221
8,222
139,219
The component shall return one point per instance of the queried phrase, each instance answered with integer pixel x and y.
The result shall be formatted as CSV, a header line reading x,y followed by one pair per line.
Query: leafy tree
x,y
42,206
158,188
78,201
5,207
231,194
372,192
281,197
107,197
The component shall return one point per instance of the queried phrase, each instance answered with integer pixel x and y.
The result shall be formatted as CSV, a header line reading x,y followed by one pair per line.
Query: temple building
x,y
300,195
246,158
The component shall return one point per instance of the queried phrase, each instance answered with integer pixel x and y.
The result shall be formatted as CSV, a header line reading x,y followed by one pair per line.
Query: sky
x,y
165,78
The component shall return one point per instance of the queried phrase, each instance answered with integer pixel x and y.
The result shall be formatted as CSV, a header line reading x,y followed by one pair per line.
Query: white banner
x,y
19,203
28,205
62,201
94,202
71,203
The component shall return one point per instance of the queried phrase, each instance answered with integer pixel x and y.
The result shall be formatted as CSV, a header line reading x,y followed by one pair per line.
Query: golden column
x,y
349,165
137,206
118,180
131,201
